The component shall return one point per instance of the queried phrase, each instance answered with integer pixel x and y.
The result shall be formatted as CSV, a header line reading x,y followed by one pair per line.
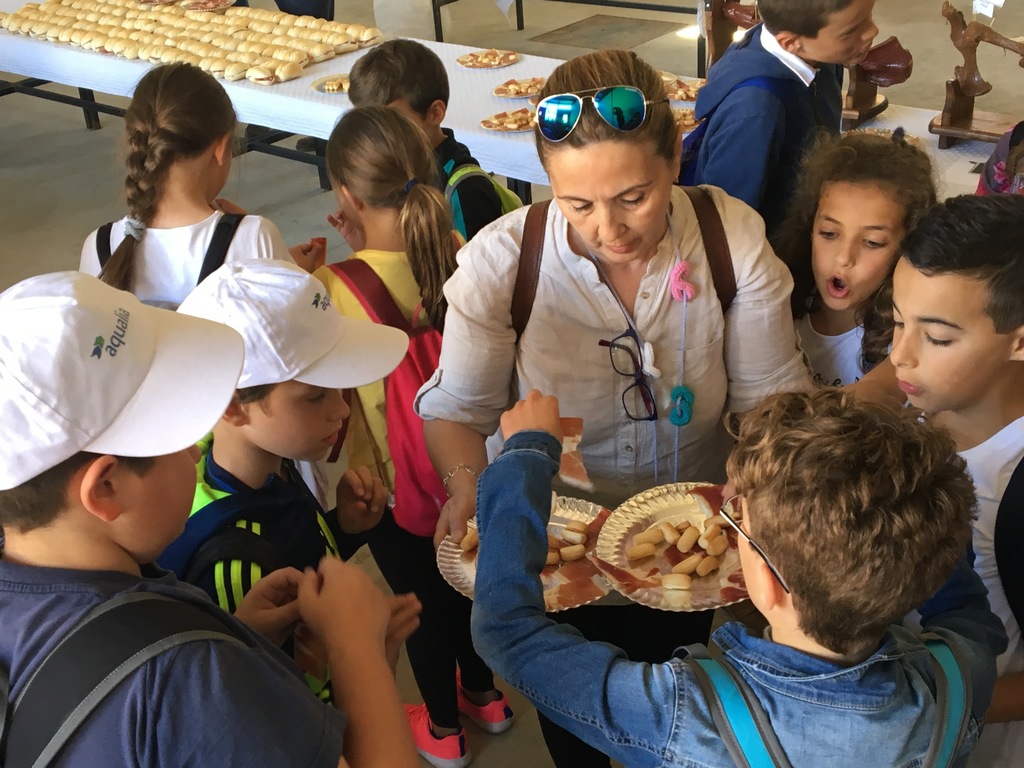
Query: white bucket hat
x,y
86,367
291,329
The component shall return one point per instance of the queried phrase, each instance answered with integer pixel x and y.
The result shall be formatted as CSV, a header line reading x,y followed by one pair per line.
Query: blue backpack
x,y
747,731
780,88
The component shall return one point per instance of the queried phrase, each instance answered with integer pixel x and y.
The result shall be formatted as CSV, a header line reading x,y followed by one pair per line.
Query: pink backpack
x,y
419,493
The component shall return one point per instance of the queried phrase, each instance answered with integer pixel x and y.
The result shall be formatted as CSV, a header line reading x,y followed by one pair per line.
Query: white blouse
x,y
728,362
835,360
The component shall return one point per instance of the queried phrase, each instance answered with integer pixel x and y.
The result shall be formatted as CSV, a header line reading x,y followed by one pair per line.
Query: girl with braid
x,y
383,171
857,197
179,132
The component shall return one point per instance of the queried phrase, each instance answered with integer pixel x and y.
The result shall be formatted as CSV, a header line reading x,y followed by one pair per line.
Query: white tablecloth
x,y
294,106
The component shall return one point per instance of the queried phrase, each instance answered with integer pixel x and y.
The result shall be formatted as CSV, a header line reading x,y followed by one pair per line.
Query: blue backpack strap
x,y
953,695
742,722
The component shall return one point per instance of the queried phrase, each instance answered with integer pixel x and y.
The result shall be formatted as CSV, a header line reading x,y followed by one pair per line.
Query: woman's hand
x,y
271,607
461,506
353,233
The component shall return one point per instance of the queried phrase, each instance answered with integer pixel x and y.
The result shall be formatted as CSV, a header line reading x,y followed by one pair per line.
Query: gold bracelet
x,y
454,470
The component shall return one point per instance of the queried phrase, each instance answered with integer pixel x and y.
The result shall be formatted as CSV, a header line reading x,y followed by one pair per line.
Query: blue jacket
x,y
755,140
877,713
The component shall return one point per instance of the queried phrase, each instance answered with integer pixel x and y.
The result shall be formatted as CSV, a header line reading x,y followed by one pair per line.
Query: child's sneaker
x,y
445,752
495,717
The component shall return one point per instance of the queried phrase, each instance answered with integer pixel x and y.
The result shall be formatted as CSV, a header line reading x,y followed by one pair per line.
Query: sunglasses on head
x,y
623,107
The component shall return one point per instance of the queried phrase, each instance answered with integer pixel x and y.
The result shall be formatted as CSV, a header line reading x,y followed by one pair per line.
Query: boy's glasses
x,y
734,519
623,107
638,399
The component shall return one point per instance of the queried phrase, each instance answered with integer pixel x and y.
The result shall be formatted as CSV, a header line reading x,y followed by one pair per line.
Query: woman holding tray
x,y
626,327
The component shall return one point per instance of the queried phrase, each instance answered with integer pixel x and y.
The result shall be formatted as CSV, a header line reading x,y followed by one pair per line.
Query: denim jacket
x,y
876,713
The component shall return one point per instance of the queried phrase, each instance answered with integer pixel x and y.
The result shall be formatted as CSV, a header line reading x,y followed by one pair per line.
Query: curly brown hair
x,y
897,166
177,112
864,510
380,154
602,69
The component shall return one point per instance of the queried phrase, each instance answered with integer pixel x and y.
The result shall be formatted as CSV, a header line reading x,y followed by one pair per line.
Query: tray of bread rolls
x,y
669,548
570,578
232,43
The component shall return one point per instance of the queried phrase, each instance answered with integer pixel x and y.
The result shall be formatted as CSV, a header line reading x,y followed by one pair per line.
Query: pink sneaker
x,y
495,717
445,752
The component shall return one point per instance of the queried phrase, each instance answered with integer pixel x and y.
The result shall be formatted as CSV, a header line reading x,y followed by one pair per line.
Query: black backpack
x,y
1009,543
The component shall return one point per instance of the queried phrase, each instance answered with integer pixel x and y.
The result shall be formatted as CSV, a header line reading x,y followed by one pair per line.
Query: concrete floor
x,y
59,181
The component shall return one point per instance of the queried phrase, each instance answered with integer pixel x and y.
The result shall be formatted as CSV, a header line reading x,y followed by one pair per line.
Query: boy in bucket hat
x,y
252,513
100,403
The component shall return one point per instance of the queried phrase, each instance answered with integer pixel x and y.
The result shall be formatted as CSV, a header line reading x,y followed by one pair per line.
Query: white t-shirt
x,y
732,361
991,465
169,260
835,360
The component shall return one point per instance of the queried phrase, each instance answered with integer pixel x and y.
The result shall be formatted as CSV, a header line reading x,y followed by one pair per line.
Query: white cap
x,y
291,329
86,367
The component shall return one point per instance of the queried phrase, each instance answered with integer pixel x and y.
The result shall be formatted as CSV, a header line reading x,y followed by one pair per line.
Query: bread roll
x,y
640,551
688,538
370,33
553,557
235,71
717,547
470,541
675,581
288,70
652,535
575,552
707,565
573,537
689,565
669,532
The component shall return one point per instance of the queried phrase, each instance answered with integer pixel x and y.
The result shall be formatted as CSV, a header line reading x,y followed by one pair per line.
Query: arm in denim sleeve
x,y
961,608
622,708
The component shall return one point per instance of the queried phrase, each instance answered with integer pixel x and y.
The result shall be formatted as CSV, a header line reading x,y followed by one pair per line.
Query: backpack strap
x,y
217,250
953,700
103,243
1008,538
739,717
457,175
233,543
104,649
371,292
528,272
716,246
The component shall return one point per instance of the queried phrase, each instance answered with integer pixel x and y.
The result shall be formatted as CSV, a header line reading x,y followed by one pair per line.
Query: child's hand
x,y
353,233
271,606
344,608
226,206
536,412
310,256
361,500
405,619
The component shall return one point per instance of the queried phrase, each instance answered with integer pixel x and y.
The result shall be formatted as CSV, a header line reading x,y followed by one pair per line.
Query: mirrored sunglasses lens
x,y
621,107
557,116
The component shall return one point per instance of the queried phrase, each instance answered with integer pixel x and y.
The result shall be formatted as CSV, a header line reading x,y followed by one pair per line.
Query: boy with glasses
x,y
864,514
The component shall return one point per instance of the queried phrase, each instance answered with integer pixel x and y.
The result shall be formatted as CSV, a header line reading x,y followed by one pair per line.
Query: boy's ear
x,y
790,42
95,487
237,414
436,112
222,148
1017,351
772,593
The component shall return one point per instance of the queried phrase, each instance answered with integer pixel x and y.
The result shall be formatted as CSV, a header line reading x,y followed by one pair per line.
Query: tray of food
x,y
685,118
682,88
570,578
213,6
669,548
519,89
492,58
331,84
516,121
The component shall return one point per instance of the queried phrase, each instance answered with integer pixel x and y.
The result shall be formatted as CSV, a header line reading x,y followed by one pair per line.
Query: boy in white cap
x,y
252,512
101,403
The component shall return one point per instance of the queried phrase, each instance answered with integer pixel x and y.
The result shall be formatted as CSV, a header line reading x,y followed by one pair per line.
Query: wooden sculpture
x,y
959,119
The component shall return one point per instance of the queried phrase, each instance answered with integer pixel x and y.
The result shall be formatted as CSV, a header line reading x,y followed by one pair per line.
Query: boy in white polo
x,y
101,401
252,513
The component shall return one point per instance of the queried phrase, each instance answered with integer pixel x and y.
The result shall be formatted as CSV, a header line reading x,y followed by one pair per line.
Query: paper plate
x,y
493,58
641,581
318,85
568,585
499,123
523,88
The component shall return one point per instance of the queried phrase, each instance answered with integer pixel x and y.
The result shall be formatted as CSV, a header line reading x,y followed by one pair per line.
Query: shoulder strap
x,y
371,292
217,250
233,543
953,699
103,243
111,643
716,246
528,273
463,172
741,721
1008,538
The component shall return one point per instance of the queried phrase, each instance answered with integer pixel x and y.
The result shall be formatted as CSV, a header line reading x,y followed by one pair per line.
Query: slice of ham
x,y
572,472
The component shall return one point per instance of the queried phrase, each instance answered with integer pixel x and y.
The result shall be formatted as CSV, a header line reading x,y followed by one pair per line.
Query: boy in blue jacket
x,y
772,92
848,514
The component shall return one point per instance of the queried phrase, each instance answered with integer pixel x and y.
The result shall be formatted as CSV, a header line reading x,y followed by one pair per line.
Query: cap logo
x,y
322,303
118,337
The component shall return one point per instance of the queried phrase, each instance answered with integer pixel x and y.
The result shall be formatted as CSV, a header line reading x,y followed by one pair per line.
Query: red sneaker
x,y
495,717
445,752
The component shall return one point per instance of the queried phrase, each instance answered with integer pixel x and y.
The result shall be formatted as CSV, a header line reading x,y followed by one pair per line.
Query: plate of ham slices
x,y
669,548
570,578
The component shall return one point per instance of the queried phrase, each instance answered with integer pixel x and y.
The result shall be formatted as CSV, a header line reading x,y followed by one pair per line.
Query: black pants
x,y
443,639
645,634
